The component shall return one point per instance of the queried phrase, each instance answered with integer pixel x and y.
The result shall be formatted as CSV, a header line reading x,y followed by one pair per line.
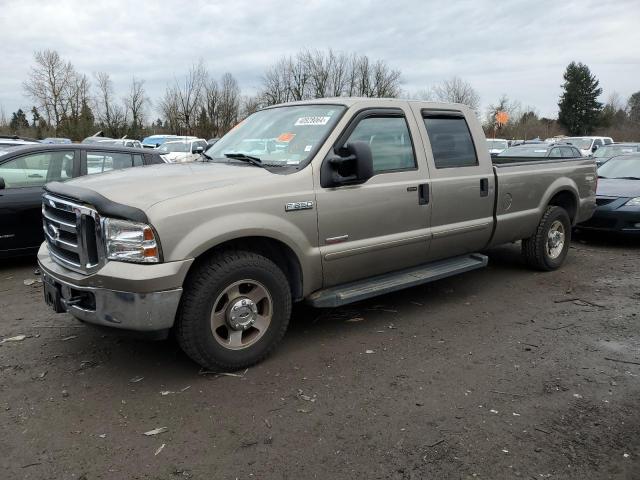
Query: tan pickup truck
x,y
330,201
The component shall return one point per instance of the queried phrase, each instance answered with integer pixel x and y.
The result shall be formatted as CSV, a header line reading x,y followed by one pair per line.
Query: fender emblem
x,y
289,207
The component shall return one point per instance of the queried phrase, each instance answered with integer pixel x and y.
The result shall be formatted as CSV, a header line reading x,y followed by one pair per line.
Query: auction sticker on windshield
x,y
317,120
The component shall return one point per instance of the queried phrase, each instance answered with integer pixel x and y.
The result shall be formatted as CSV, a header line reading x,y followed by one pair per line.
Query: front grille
x,y
604,200
72,233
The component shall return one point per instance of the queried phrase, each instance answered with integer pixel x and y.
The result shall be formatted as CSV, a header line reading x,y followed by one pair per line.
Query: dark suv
x,y
25,170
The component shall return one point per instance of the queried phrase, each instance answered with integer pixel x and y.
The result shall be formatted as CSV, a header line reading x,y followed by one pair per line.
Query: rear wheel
x,y
235,309
548,247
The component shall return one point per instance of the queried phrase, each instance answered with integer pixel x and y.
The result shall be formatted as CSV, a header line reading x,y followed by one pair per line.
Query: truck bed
x,y
525,186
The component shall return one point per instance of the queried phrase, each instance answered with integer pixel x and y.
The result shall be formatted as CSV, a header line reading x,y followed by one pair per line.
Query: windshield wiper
x,y
600,176
204,154
628,178
245,158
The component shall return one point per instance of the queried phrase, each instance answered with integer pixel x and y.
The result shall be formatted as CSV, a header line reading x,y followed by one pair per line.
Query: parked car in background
x,y
122,142
96,138
10,142
606,152
497,145
24,172
538,150
212,141
588,145
55,140
154,141
181,151
617,196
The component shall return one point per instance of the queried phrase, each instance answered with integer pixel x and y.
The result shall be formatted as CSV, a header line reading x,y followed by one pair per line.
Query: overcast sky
x,y
519,48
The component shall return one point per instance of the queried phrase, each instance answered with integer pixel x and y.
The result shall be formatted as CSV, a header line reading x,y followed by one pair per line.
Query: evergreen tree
x,y
18,121
579,107
35,115
634,107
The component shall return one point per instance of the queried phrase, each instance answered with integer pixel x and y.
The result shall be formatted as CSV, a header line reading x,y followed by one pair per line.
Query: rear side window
x,y
608,141
451,141
98,162
555,153
390,142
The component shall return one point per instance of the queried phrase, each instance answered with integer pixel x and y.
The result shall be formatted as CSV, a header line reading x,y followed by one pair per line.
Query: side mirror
x,y
350,165
2,184
595,147
197,150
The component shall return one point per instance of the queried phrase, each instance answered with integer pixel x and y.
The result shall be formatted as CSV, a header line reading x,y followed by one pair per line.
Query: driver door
x,y
381,225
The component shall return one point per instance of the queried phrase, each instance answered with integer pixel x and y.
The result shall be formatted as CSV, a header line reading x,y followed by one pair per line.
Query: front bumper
x,y
145,298
614,217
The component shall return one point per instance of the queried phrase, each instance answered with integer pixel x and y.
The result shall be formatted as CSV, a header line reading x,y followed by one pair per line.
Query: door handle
x,y
423,194
484,187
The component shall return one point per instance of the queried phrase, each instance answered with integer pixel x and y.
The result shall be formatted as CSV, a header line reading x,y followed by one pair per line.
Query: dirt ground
x,y
499,373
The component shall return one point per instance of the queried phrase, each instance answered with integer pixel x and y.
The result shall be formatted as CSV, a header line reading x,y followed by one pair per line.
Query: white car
x,y
181,151
588,145
497,145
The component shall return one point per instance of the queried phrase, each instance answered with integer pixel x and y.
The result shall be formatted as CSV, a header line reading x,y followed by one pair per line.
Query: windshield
x,y
170,147
609,151
621,167
581,143
532,151
282,136
497,144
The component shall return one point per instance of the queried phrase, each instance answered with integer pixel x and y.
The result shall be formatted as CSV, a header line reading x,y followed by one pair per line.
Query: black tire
x,y
203,287
535,248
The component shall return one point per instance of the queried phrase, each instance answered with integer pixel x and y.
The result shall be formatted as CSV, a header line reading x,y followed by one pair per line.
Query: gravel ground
x,y
498,373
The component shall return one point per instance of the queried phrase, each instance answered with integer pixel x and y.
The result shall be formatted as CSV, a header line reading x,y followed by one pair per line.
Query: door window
x,y
390,142
137,160
568,152
98,162
451,142
555,153
37,169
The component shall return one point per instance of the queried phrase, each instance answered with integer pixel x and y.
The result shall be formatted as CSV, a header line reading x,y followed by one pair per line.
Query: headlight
x,y
130,241
634,202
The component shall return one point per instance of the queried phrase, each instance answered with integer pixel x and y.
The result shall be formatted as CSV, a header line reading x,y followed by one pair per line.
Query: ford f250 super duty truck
x,y
330,201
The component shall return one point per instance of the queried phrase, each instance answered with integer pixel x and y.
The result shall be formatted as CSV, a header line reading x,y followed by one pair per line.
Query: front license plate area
x,y
52,295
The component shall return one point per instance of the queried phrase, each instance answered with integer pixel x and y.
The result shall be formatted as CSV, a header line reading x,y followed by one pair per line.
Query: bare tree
x,y
189,95
48,85
315,74
111,114
249,105
171,110
135,103
229,102
456,90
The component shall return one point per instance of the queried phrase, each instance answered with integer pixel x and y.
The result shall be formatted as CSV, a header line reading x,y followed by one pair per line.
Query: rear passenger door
x,y
380,225
462,183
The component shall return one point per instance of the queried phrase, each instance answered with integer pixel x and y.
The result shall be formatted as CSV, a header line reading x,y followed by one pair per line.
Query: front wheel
x,y
235,309
547,249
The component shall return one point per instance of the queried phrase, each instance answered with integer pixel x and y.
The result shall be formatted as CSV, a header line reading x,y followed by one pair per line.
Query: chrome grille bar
x,y
72,232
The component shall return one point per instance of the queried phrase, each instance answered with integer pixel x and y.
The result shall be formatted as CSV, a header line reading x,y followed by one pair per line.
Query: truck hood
x,y
142,187
618,187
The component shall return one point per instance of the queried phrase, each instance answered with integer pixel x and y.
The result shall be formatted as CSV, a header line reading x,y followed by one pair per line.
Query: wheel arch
x,y
275,250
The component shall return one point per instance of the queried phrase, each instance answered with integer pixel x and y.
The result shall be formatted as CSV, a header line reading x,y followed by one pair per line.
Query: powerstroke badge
x,y
290,207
